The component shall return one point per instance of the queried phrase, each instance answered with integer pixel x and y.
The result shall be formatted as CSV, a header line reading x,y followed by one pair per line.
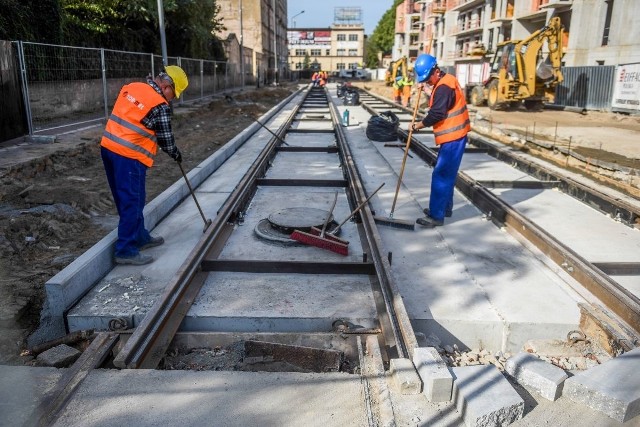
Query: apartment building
x,y
260,26
335,48
464,33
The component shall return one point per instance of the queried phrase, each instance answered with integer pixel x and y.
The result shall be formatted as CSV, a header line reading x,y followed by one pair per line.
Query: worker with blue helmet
x,y
449,117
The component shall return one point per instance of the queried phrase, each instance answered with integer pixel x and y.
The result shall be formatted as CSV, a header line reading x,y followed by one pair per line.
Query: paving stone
x,y
405,376
544,378
484,397
59,356
437,381
612,388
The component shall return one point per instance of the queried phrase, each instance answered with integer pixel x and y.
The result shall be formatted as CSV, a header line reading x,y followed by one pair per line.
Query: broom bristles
x,y
329,242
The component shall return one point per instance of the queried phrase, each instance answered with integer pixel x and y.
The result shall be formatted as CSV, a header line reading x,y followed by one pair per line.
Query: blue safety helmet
x,y
424,66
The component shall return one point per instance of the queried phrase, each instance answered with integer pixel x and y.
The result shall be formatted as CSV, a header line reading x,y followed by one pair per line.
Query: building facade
x,y
466,32
261,28
338,47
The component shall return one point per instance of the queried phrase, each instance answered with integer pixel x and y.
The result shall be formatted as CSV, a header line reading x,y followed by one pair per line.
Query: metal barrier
x,y
587,87
66,86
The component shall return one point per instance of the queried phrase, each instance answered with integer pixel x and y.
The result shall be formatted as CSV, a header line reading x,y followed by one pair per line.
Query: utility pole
x,y
163,40
275,42
241,49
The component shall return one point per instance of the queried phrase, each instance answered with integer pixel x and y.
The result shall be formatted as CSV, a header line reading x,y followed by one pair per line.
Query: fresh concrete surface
x,y
468,282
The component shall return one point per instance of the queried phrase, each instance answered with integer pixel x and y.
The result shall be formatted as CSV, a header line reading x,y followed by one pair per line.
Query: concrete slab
x,y
484,397
22,389
316,166
615,242
468,282
311,139
545,378
246,302
612,388
152,398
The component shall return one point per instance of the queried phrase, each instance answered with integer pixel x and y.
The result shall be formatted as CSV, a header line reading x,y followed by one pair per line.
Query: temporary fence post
x,y
25,87
104,85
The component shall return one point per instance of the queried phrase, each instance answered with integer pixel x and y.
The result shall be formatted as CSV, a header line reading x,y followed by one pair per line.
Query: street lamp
x,y
293,18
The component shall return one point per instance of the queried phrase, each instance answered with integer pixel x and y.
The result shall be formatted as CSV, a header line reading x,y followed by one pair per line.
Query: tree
x,y
382,38
36,21
306,62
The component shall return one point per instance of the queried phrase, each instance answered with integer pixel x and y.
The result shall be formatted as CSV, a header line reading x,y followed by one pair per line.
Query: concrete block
x,y
612,388
437,381
60,356
404,376
544,378
484,397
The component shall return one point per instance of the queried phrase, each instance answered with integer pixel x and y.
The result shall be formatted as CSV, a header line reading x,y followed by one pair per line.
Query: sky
x,y
319,13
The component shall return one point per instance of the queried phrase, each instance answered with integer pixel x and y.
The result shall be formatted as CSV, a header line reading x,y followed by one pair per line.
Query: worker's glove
x,y
177,156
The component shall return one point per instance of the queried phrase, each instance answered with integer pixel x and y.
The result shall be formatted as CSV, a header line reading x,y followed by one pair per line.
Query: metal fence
x,y
65,86
588,87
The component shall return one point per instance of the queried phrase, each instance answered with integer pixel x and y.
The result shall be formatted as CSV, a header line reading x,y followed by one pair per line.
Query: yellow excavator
x,y
520,73
392,72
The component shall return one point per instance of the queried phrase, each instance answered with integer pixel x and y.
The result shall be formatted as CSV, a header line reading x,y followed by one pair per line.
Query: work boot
x,y
138,259
155,241
429,222
447,213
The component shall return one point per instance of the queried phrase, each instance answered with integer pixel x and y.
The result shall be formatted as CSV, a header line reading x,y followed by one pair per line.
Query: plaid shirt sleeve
x,y
159,119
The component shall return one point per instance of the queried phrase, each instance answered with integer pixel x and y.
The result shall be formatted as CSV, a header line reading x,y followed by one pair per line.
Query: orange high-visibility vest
x,y
456,124
124,134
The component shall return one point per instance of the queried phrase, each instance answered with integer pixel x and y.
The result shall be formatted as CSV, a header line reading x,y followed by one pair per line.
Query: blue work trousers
x,y
443,178
127,182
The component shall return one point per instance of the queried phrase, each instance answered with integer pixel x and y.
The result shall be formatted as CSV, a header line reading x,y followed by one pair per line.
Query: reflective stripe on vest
x,y
456,124
124,133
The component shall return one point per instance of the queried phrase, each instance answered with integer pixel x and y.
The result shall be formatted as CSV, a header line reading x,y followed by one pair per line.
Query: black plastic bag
x,y
351,97
383,127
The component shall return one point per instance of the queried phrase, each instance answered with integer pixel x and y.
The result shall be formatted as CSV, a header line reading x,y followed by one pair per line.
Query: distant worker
x,y
139,123
449,117
315,78
407,86
322,78
397,90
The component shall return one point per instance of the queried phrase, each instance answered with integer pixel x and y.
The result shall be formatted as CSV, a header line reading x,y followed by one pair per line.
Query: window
x,y
342,37
353,37
301,52
353,65
328,52
607,23
316,52
353,52
341,66
341,52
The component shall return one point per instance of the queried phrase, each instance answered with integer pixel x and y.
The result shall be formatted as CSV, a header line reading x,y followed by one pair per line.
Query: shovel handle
x,y
326,221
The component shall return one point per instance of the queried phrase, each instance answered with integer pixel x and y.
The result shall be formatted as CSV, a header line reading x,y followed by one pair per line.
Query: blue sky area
x,y
319,14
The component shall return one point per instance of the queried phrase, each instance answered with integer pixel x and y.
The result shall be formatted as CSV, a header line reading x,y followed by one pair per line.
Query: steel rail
x,y
402,330
150,340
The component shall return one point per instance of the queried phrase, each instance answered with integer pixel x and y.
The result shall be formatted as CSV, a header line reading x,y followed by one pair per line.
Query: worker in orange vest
x,y
315,78
449,117
139,123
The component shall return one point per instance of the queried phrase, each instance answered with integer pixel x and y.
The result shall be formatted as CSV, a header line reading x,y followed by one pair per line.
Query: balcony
x,y
462,5
556,4
437,7
468,27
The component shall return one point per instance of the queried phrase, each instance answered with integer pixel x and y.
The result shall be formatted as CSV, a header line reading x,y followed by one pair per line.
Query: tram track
x,y
620,317
222,269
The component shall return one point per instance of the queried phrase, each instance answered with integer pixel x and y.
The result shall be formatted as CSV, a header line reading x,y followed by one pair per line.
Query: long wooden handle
x,y
406,152
326,221
355,211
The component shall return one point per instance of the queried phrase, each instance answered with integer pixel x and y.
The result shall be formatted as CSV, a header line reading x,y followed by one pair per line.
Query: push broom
x,y
329,240
323,240
390,221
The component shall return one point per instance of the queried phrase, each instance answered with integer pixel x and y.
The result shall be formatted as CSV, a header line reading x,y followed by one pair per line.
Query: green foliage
x,y
129,25
382,38
36,21
306,62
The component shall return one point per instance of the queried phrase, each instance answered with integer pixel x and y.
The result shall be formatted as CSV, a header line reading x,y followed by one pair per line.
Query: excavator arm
x,y
395,65
532,73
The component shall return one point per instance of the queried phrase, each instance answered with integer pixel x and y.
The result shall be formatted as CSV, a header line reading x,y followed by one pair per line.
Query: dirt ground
x,y
53,209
